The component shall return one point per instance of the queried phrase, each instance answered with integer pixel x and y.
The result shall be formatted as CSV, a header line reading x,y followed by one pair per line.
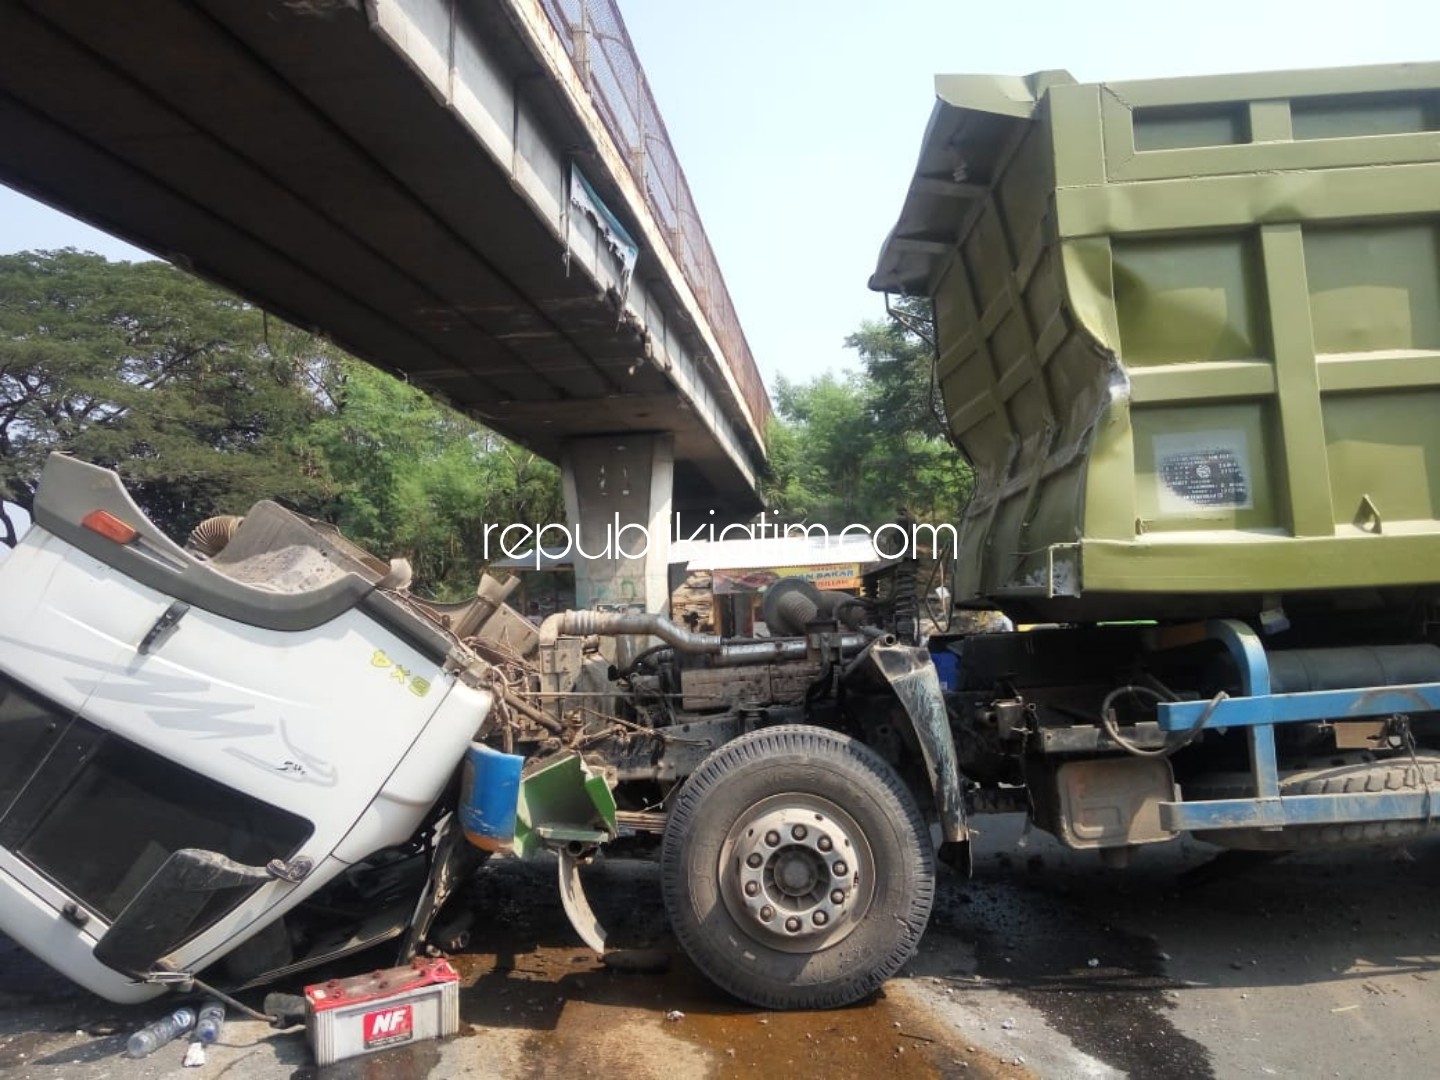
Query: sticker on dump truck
x,y
1203,470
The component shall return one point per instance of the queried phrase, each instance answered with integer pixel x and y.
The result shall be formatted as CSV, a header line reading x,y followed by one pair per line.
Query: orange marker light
x,y
109,526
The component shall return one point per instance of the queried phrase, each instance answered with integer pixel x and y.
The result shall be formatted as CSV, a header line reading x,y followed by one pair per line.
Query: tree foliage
x,y
142,365
859,446
204,405
415,479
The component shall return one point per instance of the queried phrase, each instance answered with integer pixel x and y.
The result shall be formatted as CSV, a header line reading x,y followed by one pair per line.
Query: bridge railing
x,y
595,36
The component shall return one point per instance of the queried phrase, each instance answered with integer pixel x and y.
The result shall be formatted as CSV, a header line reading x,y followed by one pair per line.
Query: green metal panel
x,y
1188,334
1374,287
1181,299
563,800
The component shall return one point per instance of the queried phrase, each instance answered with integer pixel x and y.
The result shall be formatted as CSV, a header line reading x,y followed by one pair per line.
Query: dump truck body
x,y
1187,332
1188,335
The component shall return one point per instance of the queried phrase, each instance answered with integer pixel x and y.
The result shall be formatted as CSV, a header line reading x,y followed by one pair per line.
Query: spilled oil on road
x,y
665,1021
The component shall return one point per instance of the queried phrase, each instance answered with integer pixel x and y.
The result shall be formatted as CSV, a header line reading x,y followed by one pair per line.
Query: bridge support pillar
x,y
617,499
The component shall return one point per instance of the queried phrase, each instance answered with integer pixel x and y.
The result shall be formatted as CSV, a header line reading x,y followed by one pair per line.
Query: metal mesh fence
x,y
595,36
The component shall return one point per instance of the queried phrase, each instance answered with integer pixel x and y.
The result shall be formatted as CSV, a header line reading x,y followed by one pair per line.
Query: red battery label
x,y
388,1027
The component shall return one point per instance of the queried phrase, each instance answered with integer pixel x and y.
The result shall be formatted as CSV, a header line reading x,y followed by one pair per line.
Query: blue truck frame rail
x,y
1257,711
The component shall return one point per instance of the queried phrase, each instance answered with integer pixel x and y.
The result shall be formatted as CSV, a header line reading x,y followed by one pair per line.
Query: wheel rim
x,y
796,872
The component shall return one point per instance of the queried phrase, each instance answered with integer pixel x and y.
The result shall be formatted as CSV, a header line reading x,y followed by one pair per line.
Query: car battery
x,y
345,1018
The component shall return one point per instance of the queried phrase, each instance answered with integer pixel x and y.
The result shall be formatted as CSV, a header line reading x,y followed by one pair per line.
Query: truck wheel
x,y
797,869
1397,774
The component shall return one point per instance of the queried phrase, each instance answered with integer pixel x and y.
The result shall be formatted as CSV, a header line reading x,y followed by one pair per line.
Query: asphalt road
x,y
1043,964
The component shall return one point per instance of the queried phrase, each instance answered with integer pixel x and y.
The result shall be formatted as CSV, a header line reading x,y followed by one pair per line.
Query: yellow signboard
x,y
754,579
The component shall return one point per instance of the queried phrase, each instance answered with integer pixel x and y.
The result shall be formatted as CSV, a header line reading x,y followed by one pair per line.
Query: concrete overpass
x,y
478,194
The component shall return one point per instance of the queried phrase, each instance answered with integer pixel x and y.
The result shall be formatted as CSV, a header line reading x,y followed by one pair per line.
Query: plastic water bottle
x,y
212,1019
149,1039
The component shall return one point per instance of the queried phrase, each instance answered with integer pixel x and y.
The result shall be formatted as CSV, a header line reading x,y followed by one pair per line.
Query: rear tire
x,y
1373,777
797,870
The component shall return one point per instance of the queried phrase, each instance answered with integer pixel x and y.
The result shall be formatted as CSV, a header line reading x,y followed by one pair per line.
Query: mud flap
x,y
577,907
911,674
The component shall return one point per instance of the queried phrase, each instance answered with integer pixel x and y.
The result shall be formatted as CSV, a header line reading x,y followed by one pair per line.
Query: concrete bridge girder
x,y
460,69
288,151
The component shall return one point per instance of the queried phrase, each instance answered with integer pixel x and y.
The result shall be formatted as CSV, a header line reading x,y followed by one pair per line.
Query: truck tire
x,y
796,868
1399,774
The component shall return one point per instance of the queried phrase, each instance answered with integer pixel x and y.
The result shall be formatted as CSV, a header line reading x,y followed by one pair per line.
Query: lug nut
x,y
841,869
772,838
838,896
798,832
820,918
752,888
792,924
767,913
754,861
824,843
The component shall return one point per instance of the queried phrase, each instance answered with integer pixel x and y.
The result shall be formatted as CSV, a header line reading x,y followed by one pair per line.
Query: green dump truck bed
x,y
1188,335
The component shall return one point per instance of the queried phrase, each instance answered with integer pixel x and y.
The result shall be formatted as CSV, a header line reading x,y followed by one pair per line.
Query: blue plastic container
x,y
947,666
489,793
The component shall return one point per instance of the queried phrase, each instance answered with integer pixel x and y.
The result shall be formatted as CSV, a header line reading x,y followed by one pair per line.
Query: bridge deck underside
x,y
297,160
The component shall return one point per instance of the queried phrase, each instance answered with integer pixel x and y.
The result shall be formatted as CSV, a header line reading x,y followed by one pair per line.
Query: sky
x,y
798,122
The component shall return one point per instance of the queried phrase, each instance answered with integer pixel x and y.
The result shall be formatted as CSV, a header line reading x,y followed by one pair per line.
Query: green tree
x,y
205,406
897,357
913,441
417,479
860,446
831,435
142,366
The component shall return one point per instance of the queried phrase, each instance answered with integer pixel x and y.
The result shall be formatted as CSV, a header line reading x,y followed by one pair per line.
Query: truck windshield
x,y
99,815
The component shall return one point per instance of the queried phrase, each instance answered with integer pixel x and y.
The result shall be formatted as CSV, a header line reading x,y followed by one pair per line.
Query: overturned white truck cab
x,y
228,762
273,708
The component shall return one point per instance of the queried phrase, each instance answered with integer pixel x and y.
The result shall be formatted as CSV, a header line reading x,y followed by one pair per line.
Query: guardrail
x,y
594,35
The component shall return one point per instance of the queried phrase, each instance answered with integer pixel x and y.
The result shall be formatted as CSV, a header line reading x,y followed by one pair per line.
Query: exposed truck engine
x,y
260,753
